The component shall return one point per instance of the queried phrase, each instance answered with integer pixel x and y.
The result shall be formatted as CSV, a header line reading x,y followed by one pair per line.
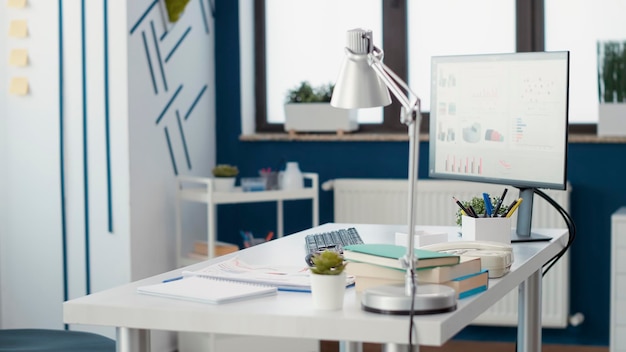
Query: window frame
x,y
530,21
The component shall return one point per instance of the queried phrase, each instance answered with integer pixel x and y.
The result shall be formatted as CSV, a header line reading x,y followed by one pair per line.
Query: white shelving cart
x,y
200,189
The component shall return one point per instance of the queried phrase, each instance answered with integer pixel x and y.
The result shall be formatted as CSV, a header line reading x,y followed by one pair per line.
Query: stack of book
x,y
379,264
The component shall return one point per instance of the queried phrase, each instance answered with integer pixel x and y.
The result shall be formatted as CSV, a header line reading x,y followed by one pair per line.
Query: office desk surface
x,y
290,314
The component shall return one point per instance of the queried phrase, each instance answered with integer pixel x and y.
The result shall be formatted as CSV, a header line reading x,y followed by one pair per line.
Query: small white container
x,y
253,184
422,238
486,229
292,177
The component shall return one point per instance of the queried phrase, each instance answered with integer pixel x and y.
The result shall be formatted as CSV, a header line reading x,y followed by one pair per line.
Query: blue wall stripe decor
x,y
168,104
145,45
169,147
182,138
62,159
169,56
143,16
158,51
107,123
85,149
193,105
204,17
163,36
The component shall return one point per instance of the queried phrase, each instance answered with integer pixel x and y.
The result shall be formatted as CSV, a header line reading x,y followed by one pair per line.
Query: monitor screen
x,y
500,118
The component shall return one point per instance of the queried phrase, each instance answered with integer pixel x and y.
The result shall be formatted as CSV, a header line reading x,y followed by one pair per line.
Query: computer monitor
x,y
501,118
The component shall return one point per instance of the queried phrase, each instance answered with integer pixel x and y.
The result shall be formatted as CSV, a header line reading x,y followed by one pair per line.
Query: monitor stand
x,y
533,237
524,219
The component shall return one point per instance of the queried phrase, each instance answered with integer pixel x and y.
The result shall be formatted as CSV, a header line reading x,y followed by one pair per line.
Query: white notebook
x,y
206,290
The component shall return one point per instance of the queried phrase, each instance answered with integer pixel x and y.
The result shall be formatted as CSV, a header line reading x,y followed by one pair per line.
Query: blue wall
x,y
596,172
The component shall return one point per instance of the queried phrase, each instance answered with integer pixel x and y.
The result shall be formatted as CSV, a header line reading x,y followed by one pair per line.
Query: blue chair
x,y
45,340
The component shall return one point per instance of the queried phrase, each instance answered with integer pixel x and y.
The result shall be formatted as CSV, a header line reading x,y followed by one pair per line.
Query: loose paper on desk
x,y
285,278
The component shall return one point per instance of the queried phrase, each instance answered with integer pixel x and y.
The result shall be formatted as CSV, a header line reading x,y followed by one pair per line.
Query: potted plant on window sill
x,y
308,109
328,280
224,177
612,88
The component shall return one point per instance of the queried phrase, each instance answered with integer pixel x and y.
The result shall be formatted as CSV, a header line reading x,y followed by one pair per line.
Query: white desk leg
x,y
211,228
132,340
280,230
529,314
350,346
396,347
316,209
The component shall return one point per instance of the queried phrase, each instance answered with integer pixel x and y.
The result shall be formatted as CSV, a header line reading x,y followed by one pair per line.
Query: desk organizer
x,y
486,229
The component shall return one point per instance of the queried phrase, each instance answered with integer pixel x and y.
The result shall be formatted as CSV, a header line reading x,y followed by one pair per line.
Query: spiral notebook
x,y
207,290
284,278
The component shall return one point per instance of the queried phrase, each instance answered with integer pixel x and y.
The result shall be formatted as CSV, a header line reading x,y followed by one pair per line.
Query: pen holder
x,y
271,179
486,229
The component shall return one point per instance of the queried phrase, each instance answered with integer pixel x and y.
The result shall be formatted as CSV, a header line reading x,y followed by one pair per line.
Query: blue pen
x,y
487,204
172,279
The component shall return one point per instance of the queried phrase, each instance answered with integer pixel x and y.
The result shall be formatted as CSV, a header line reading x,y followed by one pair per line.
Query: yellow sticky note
x,y
19,86
18,57
17,4
18,29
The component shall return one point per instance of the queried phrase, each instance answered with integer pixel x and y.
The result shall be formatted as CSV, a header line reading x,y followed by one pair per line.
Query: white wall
x,y
30,243
35,263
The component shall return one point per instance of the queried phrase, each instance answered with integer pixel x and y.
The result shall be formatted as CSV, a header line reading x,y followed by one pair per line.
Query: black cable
x,y
412,310
571,227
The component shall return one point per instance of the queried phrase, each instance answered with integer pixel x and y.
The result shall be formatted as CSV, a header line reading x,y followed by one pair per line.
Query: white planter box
x,y
612,119
319,117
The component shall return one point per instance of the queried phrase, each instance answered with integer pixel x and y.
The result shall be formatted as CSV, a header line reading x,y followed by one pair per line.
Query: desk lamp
x,y
364,82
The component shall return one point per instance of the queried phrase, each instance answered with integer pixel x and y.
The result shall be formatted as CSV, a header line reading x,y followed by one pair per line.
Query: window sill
x,y
392,137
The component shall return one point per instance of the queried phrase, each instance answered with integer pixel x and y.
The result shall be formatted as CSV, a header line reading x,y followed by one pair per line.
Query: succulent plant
x,y
225,170
328,263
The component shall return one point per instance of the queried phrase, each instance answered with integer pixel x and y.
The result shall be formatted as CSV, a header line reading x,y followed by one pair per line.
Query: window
x,y
409,32
321,24
454,27
577,26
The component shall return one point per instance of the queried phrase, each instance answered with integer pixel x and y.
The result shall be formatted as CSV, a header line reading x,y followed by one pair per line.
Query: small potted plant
x,y
478,204
496,229
308,109
328,280
224,177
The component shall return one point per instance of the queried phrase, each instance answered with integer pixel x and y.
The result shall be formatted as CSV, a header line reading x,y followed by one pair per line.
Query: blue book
x,y
469,285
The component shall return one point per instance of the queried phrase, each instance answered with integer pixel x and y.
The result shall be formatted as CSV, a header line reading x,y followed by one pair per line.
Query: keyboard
x,y
334,240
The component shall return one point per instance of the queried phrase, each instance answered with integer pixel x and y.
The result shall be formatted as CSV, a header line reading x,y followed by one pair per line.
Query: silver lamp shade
x,y
358,85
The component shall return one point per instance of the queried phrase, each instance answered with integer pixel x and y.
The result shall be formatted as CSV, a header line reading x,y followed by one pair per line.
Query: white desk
x,y
199,189
289,314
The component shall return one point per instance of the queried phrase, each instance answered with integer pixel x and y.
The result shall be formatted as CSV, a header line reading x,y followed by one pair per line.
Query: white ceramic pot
x,y
292,177
224,184
328,291
612,119
319,117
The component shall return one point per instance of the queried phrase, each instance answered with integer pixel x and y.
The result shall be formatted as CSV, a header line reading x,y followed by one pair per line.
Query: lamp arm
x,y
411,116
395,84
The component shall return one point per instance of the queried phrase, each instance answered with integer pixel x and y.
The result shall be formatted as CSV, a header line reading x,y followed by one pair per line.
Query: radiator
x,y
384,201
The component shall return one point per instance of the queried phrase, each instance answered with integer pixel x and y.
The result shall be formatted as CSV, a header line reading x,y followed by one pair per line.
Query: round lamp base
x,y
392,299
